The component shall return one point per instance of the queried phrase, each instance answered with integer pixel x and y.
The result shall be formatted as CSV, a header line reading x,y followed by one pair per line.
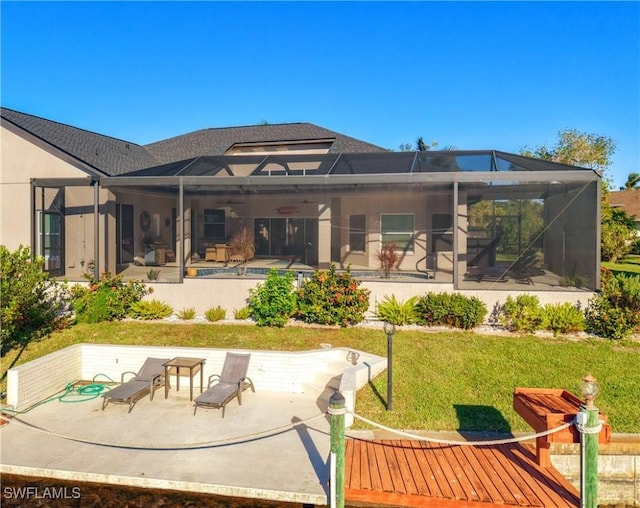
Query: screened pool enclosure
x,y
472,219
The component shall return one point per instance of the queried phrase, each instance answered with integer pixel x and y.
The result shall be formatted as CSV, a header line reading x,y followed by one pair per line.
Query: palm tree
x,y
633,181
421,145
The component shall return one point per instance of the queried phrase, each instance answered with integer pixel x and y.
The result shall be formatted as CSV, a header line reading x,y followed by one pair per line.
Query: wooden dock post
x,y
590,437
589,426
337,410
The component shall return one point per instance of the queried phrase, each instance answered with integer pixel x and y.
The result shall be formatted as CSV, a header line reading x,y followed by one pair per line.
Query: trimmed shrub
x,y
521,314
623,291
150,309
604,319
106,298
32,304
331,298
562,318
397,312
215,314
615,312
273,302
451,309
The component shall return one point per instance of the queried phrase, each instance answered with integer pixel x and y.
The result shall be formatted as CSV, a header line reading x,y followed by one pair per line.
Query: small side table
x,y
181,362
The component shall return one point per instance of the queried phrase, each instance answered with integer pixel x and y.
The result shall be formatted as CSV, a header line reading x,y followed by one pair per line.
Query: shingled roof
x,y
106,154
218,141
628,200
116,157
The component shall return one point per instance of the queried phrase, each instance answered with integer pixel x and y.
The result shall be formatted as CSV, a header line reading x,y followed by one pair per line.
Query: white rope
x,y
178,446
589,430
337,411
464,443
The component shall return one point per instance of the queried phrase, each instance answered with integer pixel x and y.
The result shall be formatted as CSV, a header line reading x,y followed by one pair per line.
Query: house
x,y
311,197
629,201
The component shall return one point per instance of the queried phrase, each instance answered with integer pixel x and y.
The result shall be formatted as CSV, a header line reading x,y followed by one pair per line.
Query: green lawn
x,y
629,265
442,380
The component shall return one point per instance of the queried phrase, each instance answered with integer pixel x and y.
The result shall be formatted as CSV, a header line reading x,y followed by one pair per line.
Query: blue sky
x,y
474,75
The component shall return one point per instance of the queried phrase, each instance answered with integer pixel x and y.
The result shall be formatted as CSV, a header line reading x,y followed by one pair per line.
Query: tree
x,y
633,181
577,149
592,151
617,233
32,303
422,146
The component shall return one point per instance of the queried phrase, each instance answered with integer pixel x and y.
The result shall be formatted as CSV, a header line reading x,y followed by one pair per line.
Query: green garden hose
x,y
70,394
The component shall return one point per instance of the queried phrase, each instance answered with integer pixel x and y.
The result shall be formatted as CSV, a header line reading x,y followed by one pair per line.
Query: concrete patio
x,y
252,452
274,446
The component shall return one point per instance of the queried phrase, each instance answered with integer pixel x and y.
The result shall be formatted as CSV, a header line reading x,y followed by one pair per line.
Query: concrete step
x,y
324,386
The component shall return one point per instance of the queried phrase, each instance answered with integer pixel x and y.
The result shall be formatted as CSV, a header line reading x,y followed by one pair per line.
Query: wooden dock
x,y
419,473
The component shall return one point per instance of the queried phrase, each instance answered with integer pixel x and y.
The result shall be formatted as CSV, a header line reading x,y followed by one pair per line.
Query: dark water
x,y
51,493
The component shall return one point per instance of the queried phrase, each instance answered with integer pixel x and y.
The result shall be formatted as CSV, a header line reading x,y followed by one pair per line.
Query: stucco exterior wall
x,y
373,205
21,160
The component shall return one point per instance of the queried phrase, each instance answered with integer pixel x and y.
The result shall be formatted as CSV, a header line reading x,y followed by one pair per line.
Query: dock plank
x,y
548,483
496,474
352,461
365,473
394,468
422,474
383,467
374,471
476,487
522,473
418,473
410,484
436,470
483,472
441,453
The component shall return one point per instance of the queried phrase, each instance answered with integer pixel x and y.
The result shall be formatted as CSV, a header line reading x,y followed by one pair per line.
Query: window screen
x,y
357,225
398,228
214,225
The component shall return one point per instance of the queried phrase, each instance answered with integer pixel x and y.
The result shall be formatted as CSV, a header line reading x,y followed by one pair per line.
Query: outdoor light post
x,y
589,427
389,328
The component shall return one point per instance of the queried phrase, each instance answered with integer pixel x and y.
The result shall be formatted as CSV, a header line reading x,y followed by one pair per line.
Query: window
x,y
214,225
356,233
398,228
51,246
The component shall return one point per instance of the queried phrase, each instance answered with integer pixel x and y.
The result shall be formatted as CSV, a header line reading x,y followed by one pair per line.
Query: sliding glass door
x,y
287,238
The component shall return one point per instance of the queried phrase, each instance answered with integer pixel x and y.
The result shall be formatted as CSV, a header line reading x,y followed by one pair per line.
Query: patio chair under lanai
x,y
224,387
